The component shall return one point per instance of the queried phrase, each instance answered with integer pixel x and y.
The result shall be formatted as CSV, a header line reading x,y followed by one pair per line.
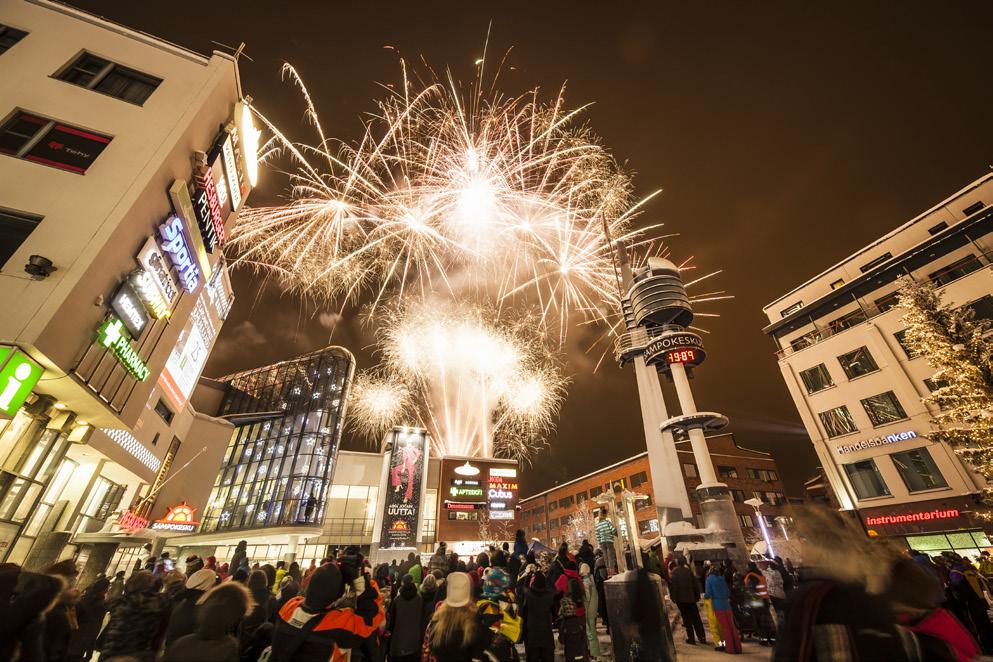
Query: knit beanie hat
x,y
495,583
459,589
202,580
584,569
429,584
326,586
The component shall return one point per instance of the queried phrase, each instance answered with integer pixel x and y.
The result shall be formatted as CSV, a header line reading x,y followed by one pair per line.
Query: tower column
x,y
704,464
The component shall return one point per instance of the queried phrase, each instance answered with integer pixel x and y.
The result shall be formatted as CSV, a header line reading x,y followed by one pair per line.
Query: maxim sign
x,y
866,444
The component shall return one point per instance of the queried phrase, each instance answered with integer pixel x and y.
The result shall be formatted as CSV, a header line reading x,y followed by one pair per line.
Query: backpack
x,y
567,608
576,591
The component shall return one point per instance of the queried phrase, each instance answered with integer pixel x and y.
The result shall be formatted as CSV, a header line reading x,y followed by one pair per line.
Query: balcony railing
x,y
865,312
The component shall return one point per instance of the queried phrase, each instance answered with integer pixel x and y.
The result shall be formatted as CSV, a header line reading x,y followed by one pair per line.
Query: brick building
x,y
747,473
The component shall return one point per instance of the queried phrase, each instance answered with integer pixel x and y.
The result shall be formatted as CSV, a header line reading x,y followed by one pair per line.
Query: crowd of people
x,y
448,609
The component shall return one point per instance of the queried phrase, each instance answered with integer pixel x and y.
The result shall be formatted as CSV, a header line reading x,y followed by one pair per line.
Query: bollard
x,y
639,623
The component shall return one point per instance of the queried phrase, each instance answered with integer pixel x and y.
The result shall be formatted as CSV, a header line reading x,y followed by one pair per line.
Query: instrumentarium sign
x,y
402,506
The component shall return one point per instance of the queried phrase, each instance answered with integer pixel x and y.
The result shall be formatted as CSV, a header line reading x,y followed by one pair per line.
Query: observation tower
x,y
657,313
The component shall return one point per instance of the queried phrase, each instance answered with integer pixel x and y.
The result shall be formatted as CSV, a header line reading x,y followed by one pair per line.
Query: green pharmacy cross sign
x,y
18,375
113,335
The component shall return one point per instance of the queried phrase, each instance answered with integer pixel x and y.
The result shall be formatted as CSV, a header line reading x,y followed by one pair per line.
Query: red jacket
x,y
562,588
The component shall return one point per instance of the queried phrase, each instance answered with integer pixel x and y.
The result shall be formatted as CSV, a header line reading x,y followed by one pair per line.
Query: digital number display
x,y
681,356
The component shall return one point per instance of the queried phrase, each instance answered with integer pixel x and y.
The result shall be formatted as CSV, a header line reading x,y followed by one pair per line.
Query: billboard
x,y
474,491
402,506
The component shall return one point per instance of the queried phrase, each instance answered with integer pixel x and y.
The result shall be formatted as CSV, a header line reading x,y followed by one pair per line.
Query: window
x,y
865,479
690,470
738,496
595,492
639,479
837,421
643,504
933,384
883,408
901,339
857,363
746,521
567,502
155,439
973,208
727,472
888,301
581,497
848,320
918,470
162,409
786,312
937,228
955,270
552,506
806,340
9,36
872,264
838,283
982,308
100,75
14,230
51,143
817,378
767,475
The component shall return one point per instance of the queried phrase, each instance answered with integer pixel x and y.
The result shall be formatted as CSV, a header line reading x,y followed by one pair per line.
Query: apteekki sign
x,y
18,375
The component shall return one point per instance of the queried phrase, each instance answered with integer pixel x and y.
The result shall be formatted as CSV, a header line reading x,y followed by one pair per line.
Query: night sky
x,y
784,136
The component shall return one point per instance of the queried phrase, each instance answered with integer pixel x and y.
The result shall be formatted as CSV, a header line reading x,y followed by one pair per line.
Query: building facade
x,y
859,388
748,474
124,160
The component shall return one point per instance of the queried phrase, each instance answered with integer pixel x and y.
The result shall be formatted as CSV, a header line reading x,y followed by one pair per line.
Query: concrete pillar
x,y
701,454
290,555
46,550
101,554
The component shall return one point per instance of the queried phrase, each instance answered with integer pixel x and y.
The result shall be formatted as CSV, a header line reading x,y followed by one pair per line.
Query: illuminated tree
x,y
582,526
956,345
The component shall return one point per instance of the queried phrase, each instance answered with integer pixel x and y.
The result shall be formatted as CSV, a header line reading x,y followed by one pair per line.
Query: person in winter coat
x,y
25,599
240,557
439,560
182,620
326,622
572,628
294,571
116,589
90,611
135,628
254,636
405,622
591,604
684,590
719,594
429,593
520,544
498,612
60,622
455,633
758,593
539,613
586,554
278,577
217,616
600,575
289,589
193,563
569,584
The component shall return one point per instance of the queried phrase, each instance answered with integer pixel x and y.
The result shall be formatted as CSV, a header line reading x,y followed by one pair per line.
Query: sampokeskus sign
x,y
680,347
874,442
178,518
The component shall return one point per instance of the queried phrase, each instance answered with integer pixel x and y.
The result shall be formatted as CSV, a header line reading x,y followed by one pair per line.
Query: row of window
x,y
916,467
731,473
882,409
633,481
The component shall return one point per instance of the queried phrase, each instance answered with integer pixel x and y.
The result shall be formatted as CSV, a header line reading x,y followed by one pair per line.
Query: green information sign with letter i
x,y
113,335
18,375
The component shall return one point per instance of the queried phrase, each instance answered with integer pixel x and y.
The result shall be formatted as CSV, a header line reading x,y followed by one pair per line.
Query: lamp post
x,y
757,505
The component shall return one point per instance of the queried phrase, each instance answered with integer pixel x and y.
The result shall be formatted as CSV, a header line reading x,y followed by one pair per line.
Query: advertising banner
x,y
403,497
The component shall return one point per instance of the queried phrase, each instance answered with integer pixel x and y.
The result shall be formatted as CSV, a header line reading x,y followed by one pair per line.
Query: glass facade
x,y
279,463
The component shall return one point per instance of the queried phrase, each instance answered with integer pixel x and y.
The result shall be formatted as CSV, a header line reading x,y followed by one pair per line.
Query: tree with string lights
x,y
957,346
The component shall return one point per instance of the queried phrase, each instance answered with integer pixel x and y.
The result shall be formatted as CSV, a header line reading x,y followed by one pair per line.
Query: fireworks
x,y
506,205
480,387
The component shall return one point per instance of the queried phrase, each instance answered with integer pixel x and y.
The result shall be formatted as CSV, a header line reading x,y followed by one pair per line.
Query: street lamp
x,y
757,505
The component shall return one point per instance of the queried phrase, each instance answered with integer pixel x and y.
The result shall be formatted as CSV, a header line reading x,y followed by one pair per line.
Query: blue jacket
x,y
717,590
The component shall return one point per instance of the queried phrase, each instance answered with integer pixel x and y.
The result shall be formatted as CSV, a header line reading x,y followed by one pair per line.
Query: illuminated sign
x,y
451,505
501,514
925,516
113,335
249,139
188,356
457,491
220,293
231,171
467,470
402,507
132,522
128,307
18,375
179,193
154,263
865,444
207,207
179,518
501,492
174,243
148,292
681,356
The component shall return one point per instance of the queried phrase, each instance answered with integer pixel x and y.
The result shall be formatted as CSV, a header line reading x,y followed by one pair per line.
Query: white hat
x,y
584,569
459,589
203,579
